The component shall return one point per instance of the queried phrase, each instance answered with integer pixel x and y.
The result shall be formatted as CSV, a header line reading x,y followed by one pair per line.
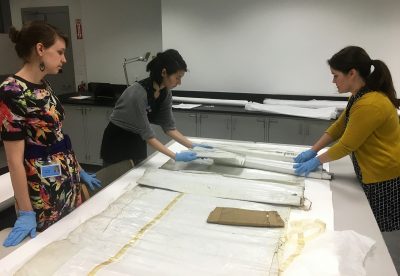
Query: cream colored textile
x,y
208,165
341,105
221,156
209,101
216,185
243,160
158,232
325,113
271,153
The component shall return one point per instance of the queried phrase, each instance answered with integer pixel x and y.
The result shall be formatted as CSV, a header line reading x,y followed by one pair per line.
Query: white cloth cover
x,y
185,106
221,156
273,153
310,104
243,160
216,185
324,113
209,101
208,165
158,232
335,253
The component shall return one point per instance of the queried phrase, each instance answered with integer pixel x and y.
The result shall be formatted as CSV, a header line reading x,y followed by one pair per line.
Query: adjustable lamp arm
x,y
130,60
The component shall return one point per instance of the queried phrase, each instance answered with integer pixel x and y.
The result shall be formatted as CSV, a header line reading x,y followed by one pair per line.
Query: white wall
x,y
254,46
117,30
112,31
9,61
74,13
271,46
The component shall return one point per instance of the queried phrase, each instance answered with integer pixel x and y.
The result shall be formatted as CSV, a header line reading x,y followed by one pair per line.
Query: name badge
x,y
51,170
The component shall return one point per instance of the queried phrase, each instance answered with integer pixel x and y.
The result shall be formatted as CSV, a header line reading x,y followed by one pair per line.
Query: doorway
x,y
64,82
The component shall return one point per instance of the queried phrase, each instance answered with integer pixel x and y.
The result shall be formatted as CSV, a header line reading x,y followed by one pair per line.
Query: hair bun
x,y
14,34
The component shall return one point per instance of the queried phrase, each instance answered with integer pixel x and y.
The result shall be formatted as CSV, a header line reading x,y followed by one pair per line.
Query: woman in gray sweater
x,y
146,102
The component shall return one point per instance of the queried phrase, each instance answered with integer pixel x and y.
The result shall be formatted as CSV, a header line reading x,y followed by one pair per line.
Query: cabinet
x,y
249,128
186,123
96,121
314,130
214,126
75,127
256,128
285,131
202,124
298,131
85,126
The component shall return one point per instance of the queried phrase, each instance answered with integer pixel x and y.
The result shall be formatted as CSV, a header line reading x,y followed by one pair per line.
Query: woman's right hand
x,y
24,226
185,156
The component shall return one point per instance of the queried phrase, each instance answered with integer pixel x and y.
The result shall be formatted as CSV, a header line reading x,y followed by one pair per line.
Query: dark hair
x,y
32,33
380,79
170,60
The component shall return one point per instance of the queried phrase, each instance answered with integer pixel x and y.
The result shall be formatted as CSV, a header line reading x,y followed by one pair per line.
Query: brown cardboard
x,y
243,217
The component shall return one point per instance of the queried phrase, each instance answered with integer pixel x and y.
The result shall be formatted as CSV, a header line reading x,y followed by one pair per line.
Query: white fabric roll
x,y
310,104
209,101
325,113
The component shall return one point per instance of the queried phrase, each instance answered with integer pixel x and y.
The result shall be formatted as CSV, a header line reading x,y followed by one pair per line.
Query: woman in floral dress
x,y
44,171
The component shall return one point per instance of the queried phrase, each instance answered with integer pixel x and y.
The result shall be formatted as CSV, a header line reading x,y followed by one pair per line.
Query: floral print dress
x,y
32,113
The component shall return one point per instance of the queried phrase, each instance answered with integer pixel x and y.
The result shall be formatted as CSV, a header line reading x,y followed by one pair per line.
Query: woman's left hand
x,y
307,167
90,180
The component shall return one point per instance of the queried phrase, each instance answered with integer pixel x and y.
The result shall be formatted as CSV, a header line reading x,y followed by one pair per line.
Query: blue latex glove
x,y
185,156
90,180
202,146
24,226
305,156
307,167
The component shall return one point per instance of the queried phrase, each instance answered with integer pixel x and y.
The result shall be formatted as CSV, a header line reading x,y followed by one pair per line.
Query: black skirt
x,y
119,144
384,198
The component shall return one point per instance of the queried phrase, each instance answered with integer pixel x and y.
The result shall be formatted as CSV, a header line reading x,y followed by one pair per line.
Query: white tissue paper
x,y
332,253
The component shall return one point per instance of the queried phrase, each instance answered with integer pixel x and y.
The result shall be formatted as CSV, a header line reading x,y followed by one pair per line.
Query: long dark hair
x,y
170,60
354,57
32,33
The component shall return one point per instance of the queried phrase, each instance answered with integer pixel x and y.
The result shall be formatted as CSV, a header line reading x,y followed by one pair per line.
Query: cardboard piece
x,y
243,217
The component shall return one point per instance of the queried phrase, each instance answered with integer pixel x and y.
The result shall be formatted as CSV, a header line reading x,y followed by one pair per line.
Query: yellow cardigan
x,y
373,134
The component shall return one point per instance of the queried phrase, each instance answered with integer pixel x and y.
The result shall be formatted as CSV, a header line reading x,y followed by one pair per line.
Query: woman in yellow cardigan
x,y
368,130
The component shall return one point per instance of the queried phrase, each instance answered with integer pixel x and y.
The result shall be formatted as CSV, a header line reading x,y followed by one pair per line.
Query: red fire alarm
x,y
78,25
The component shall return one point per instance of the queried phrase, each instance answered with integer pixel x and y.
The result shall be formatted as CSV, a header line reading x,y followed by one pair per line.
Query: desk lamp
x,y
130,60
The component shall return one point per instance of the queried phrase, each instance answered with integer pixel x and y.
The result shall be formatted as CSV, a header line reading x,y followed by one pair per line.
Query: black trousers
x,y
119,144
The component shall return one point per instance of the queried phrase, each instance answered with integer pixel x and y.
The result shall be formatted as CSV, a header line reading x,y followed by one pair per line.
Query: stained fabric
x,y
216,185
207,165
324,113
245,159
158,232
31,112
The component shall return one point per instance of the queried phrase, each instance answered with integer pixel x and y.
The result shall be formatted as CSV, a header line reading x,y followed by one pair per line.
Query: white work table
x,y
351,212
